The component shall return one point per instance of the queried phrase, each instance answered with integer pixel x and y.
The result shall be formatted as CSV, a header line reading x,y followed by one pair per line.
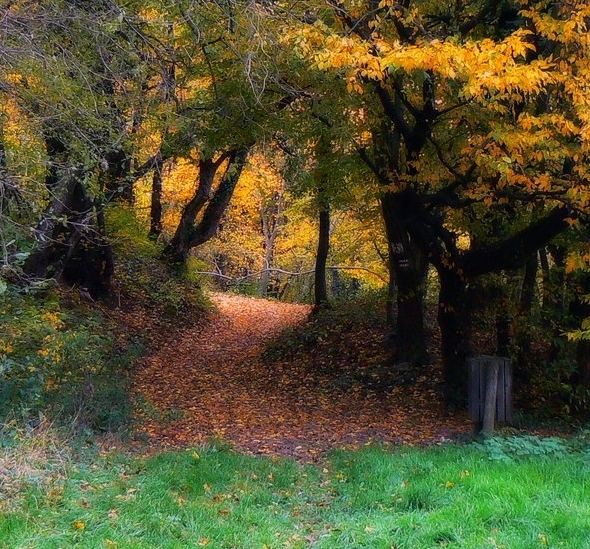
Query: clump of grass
x,y
377,498
31,458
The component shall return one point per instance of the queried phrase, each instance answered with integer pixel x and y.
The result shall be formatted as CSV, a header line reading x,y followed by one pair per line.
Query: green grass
x,y
399,497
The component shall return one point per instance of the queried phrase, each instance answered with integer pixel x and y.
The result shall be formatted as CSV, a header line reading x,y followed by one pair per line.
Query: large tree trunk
x,y
216,208
407,264
70,241
409,273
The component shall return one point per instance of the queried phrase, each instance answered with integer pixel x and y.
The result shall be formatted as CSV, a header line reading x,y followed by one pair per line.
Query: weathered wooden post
x,y
489,409
490,391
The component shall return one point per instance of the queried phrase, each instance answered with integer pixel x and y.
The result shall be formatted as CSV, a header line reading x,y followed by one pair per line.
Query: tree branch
x,y
511,252
240,279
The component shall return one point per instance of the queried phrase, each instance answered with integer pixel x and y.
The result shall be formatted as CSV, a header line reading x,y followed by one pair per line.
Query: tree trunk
x,y
582,377
190,234
580,311
176,252
454,318
271,217
156,199
321,286
546,272
267,266
322,177
5,187
409,272
70,241
522,332
502,333
217,206
407,263
529,284
391,293
57,153
116,179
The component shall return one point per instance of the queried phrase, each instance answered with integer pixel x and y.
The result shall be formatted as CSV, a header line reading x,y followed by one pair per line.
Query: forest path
x,y
211,383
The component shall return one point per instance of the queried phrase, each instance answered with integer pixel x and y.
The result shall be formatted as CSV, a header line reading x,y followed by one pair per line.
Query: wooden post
x,y
489,412
490,392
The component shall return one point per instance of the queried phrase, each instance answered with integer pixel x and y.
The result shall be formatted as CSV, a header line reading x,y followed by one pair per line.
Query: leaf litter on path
x,y
213,383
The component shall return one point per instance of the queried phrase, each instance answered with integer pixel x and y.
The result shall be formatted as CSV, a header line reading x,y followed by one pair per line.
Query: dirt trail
x,y
211,383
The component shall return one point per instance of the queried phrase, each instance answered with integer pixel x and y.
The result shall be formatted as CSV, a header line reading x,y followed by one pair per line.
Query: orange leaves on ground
x,y
212,382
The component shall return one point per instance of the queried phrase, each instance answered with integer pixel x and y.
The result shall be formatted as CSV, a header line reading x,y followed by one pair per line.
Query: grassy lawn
x,y
505,493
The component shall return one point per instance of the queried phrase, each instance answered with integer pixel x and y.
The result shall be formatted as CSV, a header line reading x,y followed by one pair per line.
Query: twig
x,y
240,279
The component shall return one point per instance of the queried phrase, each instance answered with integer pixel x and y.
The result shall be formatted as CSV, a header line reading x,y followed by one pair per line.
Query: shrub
x,y
60,363
513,448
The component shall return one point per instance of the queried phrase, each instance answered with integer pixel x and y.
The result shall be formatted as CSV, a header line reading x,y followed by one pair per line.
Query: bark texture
x,y
191,232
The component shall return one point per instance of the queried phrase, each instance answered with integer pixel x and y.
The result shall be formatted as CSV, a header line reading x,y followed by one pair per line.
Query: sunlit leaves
x,y
568,23
482,68
495,73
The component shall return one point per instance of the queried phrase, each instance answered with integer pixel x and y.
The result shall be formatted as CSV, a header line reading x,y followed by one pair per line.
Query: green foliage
x,y
128,234
374,498
510,449
61,363
551,367
141,275
149,281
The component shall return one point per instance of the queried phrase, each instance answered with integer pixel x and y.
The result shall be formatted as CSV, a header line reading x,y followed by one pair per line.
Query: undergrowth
x,y
65,358
58,360
349,345
141,275
508,449
330,326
